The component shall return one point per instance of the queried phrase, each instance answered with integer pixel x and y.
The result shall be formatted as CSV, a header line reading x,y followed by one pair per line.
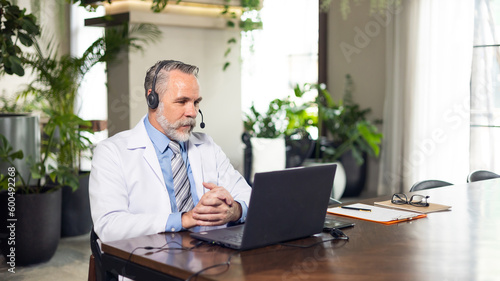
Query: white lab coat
x,y
128,196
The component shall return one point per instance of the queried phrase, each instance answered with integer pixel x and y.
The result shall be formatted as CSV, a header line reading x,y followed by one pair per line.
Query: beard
x,y
171,130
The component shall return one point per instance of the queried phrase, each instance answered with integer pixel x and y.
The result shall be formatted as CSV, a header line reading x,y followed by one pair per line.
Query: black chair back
x,y
426,184
96,252
480,175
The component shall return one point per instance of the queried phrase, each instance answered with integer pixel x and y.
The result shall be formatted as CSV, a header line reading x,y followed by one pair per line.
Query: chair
x,y
480,175
426,184
247,156
92,274
95,263
299,147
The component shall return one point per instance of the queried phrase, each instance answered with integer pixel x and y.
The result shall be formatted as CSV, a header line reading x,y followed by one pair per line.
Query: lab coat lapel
x,y
139,139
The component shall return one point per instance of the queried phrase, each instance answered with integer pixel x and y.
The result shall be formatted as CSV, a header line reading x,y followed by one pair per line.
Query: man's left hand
x,y
216,207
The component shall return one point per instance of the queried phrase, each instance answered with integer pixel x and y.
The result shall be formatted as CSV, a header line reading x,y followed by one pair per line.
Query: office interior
x,y
427,69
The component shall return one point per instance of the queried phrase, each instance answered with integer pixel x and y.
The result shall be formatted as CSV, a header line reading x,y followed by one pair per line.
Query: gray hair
x,y
163,75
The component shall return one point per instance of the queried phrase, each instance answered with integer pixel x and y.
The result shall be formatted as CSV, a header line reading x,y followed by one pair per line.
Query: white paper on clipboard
x,y
377,214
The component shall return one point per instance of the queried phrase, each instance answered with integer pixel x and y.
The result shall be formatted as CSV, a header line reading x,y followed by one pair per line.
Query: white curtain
x,y
485,84
426,112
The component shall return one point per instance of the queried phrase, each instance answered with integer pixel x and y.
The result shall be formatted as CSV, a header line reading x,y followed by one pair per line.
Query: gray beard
x,y
171,129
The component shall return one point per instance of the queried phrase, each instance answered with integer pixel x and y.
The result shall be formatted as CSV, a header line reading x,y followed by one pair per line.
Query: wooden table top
x,y
461,244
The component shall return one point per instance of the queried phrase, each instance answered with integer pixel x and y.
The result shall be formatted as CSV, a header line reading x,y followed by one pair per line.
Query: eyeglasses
x,y
416,200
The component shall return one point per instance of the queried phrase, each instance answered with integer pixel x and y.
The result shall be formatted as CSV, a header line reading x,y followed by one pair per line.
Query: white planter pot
x,y
339,182
267,155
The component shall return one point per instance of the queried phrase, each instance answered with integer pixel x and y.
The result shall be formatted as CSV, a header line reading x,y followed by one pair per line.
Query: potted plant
x,y
346,134
31,210
270,145
264,140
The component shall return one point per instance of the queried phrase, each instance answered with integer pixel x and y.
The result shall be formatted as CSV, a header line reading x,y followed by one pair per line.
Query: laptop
x,y
285,205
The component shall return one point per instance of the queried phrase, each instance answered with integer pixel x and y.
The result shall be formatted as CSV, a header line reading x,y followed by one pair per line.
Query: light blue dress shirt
x,y
164,153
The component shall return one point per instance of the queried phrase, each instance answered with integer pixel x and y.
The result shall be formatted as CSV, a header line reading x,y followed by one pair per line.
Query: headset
x,y
153,100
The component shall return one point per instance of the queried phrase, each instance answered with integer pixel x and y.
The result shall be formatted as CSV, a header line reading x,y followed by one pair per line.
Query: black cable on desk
x,y
161,248
227,263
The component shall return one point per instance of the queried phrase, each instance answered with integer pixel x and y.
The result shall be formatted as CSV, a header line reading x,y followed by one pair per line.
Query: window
x,y
284,53
485,87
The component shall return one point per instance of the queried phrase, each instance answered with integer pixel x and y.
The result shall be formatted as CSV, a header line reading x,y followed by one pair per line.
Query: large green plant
x,y
345,122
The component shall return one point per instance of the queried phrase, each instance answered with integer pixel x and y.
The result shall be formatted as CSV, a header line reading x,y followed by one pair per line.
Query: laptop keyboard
x,y
233,237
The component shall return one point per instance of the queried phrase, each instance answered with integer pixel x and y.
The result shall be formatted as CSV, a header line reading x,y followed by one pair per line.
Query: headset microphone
x,y
202,124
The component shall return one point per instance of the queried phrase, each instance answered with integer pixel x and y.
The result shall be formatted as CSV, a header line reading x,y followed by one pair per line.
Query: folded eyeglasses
x,y
416,200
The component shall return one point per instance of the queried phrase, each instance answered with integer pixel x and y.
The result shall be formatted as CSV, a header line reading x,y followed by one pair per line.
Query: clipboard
x,y
378,214
433,207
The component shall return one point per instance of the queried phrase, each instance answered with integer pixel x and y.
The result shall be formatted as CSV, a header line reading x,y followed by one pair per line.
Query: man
x,y
159,176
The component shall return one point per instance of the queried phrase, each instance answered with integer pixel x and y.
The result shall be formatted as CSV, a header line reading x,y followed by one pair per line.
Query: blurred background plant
x,y
271,124
17,28
343,125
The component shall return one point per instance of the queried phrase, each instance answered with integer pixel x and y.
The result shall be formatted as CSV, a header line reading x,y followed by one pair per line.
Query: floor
x,y
70,263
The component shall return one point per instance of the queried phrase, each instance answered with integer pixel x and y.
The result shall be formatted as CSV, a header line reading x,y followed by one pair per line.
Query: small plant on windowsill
x,y
270,124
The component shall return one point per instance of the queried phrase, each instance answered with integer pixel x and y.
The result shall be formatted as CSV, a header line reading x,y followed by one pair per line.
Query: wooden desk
x,y
461,244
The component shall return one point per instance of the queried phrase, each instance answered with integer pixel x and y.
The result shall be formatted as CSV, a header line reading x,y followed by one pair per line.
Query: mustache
x,y
186,122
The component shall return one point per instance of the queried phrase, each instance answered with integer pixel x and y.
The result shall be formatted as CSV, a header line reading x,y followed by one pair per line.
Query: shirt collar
x,y
160,141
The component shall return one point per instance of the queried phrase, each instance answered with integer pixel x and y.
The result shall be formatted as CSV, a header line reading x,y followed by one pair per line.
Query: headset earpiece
x,y
153,100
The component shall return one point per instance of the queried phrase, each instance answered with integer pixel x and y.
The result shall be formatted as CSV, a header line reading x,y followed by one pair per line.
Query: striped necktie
x,y
181,183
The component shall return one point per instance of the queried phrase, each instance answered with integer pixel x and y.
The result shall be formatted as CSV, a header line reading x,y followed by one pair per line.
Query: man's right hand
x,y
187,220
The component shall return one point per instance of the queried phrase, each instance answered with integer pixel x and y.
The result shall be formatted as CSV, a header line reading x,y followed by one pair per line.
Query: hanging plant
x,y
250,20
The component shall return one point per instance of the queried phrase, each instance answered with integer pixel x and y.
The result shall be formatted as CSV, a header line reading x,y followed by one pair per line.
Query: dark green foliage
x,y
346,123
16,28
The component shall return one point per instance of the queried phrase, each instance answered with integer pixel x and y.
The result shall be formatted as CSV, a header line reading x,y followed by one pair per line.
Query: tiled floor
x,y
70,263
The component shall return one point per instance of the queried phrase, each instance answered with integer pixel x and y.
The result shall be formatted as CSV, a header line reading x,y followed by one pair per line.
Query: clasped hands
x,y
216,207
